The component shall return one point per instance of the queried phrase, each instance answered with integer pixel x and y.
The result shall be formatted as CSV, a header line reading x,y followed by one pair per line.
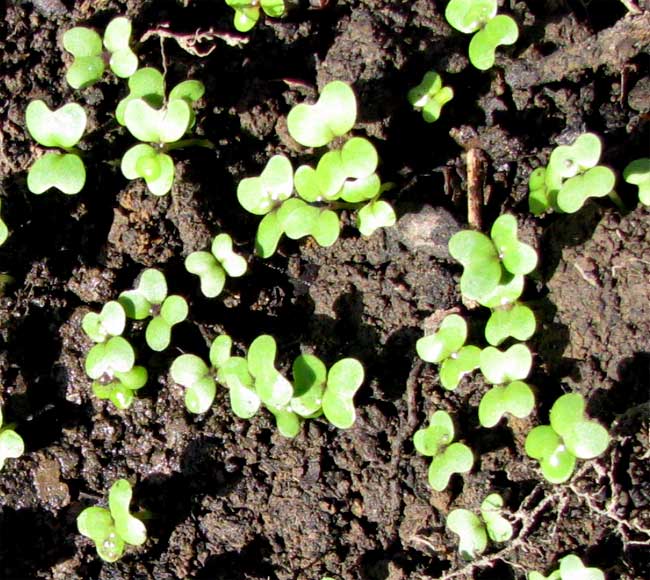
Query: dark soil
x,y
232,499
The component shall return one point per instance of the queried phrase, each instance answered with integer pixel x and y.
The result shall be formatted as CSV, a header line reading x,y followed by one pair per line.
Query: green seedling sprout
x,y
572,176
60,129
150,299
510,320
473,531
374,215
504,367
571,568
89,63
430,96
436,441
487,260
160,129
11,444
247,12
517,398
113,528
570,436
638,173
447,348
4,230
491,30
111,366
333,115
212,267
109,322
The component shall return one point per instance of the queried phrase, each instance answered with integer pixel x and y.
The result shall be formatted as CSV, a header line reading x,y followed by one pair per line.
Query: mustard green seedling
x,y
491,30
473,531
212,267
113,528
638,173
109,322
11,444
89,63
150,299
510,320
571,568
247,12
333,115
570,436
430,96
486,260
517,399
436,441
447,348
111,365
504,367
61,129
571,177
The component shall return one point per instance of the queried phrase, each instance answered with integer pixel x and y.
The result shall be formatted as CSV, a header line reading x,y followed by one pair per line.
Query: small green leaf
x,y
480,259
517,399
595,182
259,195
434,438
117,35
457,458
327,228
376,214
155,167
506,292
430,96
200,395
60,128
232,263
211,275
517,321
498,31
245,402
517,257
539,198
109,322
129,528
153,286
467,16
187,369
498,528
470,530
151,125
220,350
88,65
572,568
269,232
457,366
309,378
448,339
146,83
273,8
12,445
65,172
504,367
174,309
333,115
638,173
556,462
95,523
158,334
343,381
288,422
116,354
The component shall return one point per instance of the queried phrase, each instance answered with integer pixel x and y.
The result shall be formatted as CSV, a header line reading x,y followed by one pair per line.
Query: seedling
x,y
4,231
638,173
11,444
333,115
111,366
510,320
60,129
159,129
570,436
113,528
448,458
109,322
571,568
485,258
150,299
343,381
447,348
89,63
247,12
212,267
504,367
430,96
492,30
572,176
517,399
473,531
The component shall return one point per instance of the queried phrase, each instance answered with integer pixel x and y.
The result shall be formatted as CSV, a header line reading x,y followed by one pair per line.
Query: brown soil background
x,y
232,499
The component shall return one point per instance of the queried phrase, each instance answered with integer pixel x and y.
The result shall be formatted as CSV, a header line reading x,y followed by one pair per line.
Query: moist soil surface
x,y
232,498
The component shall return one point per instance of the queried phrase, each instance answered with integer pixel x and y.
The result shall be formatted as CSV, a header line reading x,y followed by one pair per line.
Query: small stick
x,y
475,180
190,42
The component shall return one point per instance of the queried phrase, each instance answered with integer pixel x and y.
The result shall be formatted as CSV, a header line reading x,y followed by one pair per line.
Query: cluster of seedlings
x,y
304,203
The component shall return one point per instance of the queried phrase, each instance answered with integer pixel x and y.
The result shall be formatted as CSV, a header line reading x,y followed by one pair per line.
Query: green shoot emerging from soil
x,y
492,30
571,568
638,173
85,45
510,320
447,348
159,125
570,436
150,299
111,529
473,531
213,267
109,322
111,366
11,444
448,458
504,367
60,129
247,12
430,96
517,399
572,176
488,260
4,231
